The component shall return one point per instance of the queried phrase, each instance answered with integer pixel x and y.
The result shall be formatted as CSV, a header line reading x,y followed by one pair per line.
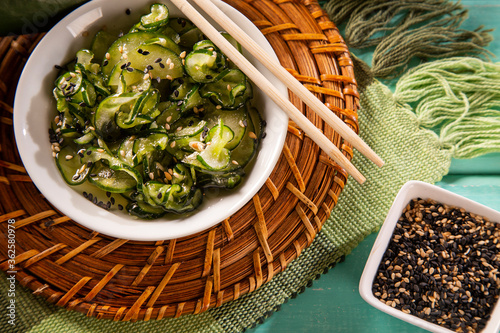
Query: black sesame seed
x,y
90,197
145,53
264,134
158,60
81,155
108,194
130,69
140,51
58,67
209,77
120,207
150,68
112,199
161,65
179,103
123,66
85,194
159,196
176,93
89,152
93,175
181,81
127,11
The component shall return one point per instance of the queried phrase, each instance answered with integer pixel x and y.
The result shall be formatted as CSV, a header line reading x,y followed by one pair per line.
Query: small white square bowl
x,y
412,190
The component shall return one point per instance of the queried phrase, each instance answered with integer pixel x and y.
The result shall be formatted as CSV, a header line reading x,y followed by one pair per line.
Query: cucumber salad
x,y
157,115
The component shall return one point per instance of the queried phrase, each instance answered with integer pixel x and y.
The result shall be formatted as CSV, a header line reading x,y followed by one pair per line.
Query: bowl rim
x,y
410,190
131,229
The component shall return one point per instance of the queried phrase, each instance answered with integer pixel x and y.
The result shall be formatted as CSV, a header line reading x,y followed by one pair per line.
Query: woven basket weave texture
x,y
118,279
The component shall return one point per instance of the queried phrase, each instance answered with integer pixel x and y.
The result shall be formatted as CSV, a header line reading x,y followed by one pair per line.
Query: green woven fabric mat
x,y
397,127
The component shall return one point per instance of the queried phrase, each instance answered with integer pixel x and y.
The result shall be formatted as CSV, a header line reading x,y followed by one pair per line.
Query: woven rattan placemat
x,y
119,279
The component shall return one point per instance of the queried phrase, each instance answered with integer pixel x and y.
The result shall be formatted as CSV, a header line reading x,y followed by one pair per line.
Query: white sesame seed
x,y
169,118
125,56
167,127
82,169
229,87
145,77
252,135
56,149
197,68
100,150
169,77
218,107
58,130
151,175
183,62
108,56
171,66
122,153
68,157
72,74
235,162
178,128
91,128
56,119
54,154
172,145
210,48
241,123
120,48
169,61
167,176
183,54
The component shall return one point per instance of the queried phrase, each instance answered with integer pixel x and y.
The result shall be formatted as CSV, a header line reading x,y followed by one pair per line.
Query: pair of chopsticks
x,y
283,75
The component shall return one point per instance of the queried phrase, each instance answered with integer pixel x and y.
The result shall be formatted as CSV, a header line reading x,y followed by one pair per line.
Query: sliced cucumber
x,y
105,124
157,18
145,211
73,170
204,66
100,44
234,119
232,89
115,181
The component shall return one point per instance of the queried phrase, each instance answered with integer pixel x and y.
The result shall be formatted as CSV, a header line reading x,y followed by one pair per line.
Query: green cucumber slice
x,y
73,170
232,89
107,179
204,66
100,44
105,124
157,18
145,211
236,120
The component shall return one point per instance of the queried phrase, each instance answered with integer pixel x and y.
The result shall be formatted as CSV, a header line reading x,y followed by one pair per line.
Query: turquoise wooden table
x,y
333,303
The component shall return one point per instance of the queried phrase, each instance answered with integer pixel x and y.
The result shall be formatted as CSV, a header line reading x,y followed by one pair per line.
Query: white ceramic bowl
x,y
34,108
413,190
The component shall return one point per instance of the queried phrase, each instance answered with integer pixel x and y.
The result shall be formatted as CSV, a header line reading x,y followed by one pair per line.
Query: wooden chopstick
x,y
283,75
260,80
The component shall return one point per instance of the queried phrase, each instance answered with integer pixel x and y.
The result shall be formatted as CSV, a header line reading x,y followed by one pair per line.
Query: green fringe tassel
x,y
401,30
459,98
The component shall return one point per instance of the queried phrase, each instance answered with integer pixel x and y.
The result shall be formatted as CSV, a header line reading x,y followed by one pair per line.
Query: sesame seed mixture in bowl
x,y
442,266
435,262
